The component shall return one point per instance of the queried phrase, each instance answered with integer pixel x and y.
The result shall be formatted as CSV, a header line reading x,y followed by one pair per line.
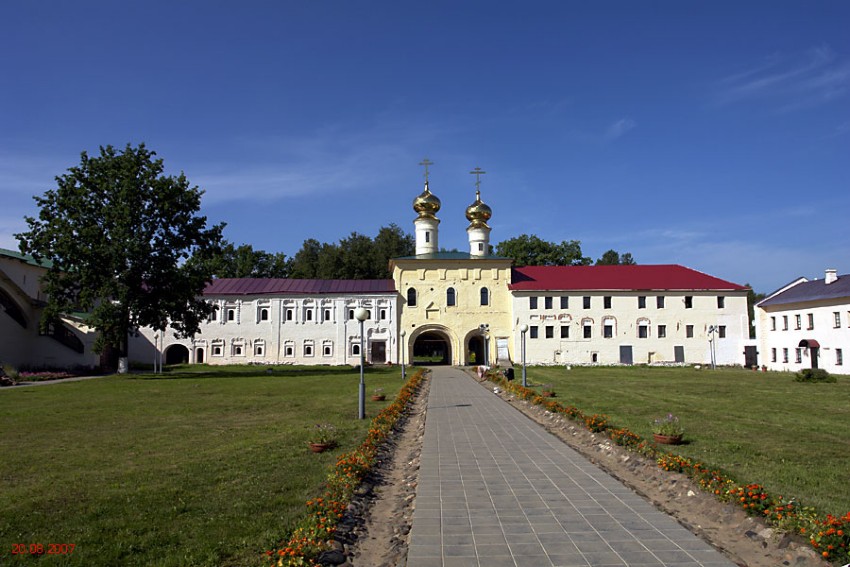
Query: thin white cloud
x,y
619,129
808,79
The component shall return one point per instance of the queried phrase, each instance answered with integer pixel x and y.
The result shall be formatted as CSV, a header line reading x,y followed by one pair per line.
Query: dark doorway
x,y
626,355
751,356
379,352
199,356
431,348
813,347
476,350
679,354
177,354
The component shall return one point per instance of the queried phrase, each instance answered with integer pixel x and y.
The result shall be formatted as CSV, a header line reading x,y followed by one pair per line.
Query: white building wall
x,y
779,334
296,329
626,317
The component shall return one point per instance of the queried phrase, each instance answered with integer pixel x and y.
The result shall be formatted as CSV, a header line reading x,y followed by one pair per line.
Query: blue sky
x,y
710,134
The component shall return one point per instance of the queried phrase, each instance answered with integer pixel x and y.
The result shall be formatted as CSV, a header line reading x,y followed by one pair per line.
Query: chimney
x,y
830,276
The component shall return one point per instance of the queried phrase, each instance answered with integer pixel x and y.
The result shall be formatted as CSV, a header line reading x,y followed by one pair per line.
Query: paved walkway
x,y
495,489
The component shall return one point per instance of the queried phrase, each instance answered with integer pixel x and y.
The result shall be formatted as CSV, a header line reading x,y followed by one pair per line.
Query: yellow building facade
x,y
455,306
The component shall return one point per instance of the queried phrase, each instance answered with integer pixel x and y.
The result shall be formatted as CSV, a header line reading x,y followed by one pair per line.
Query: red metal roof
x,y
633,277
269,286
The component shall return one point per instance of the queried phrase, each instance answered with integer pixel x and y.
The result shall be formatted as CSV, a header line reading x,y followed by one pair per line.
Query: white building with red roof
x,y
628,314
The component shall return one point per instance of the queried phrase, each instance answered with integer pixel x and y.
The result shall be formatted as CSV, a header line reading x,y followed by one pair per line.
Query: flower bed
x,y
830,536
312,535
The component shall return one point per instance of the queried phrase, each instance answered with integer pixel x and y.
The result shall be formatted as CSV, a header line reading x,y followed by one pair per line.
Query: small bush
x,y
814,375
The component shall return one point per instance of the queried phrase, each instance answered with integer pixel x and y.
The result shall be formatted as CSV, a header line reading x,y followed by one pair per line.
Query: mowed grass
x,y
185,468
763,427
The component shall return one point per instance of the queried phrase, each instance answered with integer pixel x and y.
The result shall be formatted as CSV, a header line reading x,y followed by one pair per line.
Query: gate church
x,y
470,308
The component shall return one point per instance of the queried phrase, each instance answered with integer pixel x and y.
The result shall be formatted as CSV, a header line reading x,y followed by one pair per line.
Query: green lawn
x,y
199,466
759,427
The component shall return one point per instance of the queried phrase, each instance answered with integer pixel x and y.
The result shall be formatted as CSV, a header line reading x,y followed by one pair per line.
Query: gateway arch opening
x,y
431,347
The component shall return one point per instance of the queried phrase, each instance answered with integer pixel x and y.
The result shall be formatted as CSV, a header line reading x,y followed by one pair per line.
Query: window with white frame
x,y
662,331
565,302
213,314
587,327
238,348
355,349
383,314
773,355
641,302
721,331
689,302
721,302
550,331
533,332
659,302
837,316
532,303
547,303
308,314
773,323
798,321
411,297
606,302
784,355
289,314
798,355
565,331
231,314
839,357
218,348
289,349
259,347
785,322
608,327
327,348
689,331
308,348
643,329
485,296
326,316
811,317
451,298
586,301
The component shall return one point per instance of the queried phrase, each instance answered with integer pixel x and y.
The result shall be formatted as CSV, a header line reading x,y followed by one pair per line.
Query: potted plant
x,y
323,437
548,391
378,395
667,430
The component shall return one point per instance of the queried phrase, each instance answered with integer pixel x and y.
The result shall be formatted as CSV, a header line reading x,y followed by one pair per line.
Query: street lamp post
x,y
403,348
711,330
360,314
523,329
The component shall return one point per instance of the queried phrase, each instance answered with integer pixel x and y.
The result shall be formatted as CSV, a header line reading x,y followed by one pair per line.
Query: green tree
x,y
752,299
119,233
529,250
613,258
245,262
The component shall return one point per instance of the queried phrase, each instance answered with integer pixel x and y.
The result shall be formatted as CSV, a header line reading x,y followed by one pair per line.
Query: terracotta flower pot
x,y
667,439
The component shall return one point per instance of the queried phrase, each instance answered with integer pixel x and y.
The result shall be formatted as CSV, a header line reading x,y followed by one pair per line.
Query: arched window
x,y
485,296
231,314
411,297
264,314
450,297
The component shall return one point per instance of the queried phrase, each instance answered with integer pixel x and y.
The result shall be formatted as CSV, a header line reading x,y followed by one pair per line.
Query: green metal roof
x,y
26,258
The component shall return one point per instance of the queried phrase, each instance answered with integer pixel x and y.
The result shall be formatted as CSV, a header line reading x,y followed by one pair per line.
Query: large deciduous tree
x,y
119,233
245,262
530,250
613,258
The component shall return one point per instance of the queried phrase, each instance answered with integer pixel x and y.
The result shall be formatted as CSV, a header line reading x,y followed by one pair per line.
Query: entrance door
x,y
751,356
199,356
813,354
502,350
679,353
476,350
625,354
379,352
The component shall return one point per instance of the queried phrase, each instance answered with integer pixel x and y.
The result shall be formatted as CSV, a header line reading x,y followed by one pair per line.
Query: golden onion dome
x,y
426,204
478,213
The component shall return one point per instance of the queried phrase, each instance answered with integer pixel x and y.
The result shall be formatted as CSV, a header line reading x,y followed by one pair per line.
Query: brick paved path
x,y
495,489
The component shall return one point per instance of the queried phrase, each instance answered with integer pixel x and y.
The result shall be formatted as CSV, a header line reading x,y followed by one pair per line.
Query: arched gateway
x,y
432,347
177,354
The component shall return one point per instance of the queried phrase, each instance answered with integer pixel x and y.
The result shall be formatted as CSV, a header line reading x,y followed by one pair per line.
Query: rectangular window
x,y
798,355
689,331
839,357
550,332
427,236
773,355
837,316
608,331
798,322
689,302
532,303
308,315
350,314
565,302
606,302
773,323
785,322
811,318
383,314
662,331
643,331
327,315
721,332
588,331
641,302
721,302
547,303
785,355
565,331
532,332
587,302
659,302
